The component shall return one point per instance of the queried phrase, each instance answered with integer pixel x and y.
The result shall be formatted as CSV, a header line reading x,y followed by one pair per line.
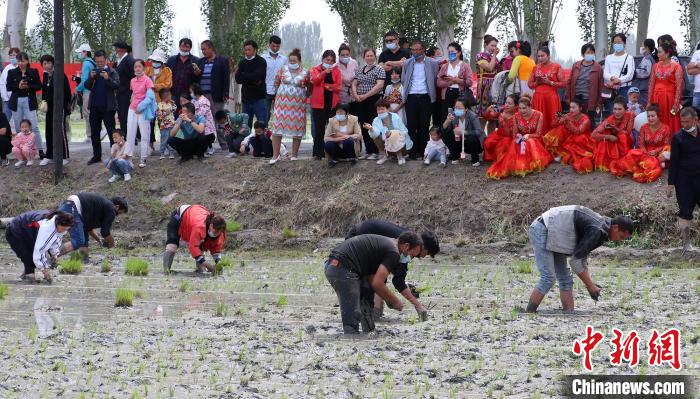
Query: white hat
x,y
158,56
83,47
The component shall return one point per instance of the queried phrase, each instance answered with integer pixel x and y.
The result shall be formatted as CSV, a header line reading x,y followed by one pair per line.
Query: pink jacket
x,y
24,142
465,72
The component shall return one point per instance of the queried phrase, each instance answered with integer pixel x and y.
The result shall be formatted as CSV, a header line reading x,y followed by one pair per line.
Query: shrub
x,y
288,233
4,291
123,297
70,266
233,226
136,267
221,310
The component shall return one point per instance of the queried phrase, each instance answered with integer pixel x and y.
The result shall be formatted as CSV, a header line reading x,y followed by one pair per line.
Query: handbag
x,y
43,106
612,93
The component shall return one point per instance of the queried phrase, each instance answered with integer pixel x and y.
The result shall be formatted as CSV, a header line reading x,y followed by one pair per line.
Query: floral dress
x,y
289,112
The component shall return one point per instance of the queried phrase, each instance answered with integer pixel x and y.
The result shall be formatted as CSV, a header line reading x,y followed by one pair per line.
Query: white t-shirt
x,y
418,83
614,64
454,72
696,59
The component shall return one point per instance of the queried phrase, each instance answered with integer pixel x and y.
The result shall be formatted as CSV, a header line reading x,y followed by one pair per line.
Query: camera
x,y
98,70
76,79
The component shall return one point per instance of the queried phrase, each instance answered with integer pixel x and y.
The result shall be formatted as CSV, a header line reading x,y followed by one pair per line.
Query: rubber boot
x,y
367,320
536,298
168,257
567,300
684,226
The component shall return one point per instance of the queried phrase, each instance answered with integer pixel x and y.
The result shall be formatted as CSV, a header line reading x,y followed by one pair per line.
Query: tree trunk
x,y
15,24
601,28
694,21
445,31
138,28
478,30
67,32
58,117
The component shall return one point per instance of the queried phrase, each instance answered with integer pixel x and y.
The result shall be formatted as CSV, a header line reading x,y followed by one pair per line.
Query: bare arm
x,y
379,286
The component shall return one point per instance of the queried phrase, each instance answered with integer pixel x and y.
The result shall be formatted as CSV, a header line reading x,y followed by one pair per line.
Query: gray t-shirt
x,y
583,81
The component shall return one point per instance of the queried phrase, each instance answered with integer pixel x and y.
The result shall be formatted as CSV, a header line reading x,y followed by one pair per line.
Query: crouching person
x,y
574,231
358,267
35,237
201,230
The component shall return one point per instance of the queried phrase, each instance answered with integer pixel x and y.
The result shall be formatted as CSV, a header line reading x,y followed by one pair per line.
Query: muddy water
x,y
279,336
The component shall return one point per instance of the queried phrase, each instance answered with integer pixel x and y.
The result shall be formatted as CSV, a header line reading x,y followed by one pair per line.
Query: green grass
x,y
282,300
4,291
523,267
123,297
233,226
106,267
70,266
136,267
221,310
184,286
655,272
288,233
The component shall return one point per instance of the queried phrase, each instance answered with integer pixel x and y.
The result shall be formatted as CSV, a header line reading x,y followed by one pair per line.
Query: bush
x,y
136,267
123,297
4,291
288,233
70,266
233,226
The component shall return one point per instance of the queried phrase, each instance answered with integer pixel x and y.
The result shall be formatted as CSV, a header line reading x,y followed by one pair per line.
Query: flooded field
x,y
269,327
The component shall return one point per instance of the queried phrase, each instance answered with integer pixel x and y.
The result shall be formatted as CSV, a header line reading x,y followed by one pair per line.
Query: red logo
x,y
587,345
665,348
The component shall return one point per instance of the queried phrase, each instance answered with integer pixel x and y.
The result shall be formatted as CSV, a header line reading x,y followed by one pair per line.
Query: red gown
x,y
545,98
666,89
497,141
522,156
571,141
608,151
644,163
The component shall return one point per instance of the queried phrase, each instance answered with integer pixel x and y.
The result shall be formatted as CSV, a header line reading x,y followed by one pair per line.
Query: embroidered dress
x,y
572,142
666,89
483,87
645,163
546,98
289,112
608,151
497,141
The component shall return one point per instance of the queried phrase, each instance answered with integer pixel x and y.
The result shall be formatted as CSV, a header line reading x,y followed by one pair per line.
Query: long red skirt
x,y
546,100
518,160
664,97
577,151
554,139
607,151
643,167
495,144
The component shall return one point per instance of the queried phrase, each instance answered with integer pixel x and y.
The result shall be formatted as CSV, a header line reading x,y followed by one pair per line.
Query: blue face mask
x,y
383,115
417,56
459,113
13,61
341,117
451,56
395,80
293,66
618,48
391,46
589,57
405,259
326,66
157,65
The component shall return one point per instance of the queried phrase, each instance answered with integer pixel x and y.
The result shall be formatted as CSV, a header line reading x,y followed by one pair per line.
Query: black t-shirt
x,y
363,254
328,94
376,226
97,211
4,123
388,55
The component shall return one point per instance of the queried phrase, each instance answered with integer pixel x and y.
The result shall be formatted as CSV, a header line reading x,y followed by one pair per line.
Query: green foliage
x,y
233,226
655,272
221,310
523,267
123,297
4,291
288,233
136,267
226,263
70,266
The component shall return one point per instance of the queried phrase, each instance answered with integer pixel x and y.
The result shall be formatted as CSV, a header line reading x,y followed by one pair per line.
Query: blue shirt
x,y
188,131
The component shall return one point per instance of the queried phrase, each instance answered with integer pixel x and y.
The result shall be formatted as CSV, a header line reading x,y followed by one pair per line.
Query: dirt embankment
x,y
459,203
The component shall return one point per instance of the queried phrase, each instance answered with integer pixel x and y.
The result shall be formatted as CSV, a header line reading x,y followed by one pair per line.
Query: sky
x,y
189,22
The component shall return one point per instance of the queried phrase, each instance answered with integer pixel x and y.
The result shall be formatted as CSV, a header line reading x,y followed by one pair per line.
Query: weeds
x,y
288,233
4,291
70,266
233,226
136,267
221,310
124,297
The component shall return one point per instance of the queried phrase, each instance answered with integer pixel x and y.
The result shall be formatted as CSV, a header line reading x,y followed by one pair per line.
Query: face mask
x,y
345,60
274,52
691,130
184,53
13,61
341,117
326,66
642,50
293,66
459,113
405,259
439,59
417,56
157,65
383,115
451,56
138,73
395,80
589,57
618,48
391,46
212,235
249,58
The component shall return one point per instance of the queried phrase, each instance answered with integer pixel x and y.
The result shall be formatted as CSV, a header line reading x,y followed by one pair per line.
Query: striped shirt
x,y
48,240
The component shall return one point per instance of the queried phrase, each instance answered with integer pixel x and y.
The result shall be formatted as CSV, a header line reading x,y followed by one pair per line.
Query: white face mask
x,y
249,58
211,235
691,130
184,53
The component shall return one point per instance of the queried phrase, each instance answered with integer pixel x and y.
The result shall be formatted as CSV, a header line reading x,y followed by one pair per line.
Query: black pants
x,y
321,117
367,111
687,194
97,118
123,101
173,230
335,151
418,110
23,250
49,135
262,146
356,298
451,96
453,145
590,113
234,142
436,114
189,148
5,144
472,146
269,100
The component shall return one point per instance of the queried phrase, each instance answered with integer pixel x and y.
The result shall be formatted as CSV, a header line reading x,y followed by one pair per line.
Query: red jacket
x,y
317,78
193,229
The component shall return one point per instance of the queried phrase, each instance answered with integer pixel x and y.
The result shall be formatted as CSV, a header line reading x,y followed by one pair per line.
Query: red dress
x,y
571,141
545,98
666,89
644,163
607,151
522,156
497,141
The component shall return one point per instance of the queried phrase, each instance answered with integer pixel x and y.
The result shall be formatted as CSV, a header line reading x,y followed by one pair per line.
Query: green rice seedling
x,y
33,333
70,266
4,291
221,310
655,272
226,262
523,267
123,297
184,286
106,266
136,267
138,294
75,255
282,300
288,233
233,226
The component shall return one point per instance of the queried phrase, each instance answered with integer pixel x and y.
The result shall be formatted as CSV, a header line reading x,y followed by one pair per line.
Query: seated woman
x,y
613,136
389,134
193,141
343,137
497,141
463,124
525,152
570,142
646,163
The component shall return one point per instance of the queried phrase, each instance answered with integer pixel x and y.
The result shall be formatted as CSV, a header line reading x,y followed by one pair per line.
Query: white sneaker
x,y
30,163
113,178
557,159
382,160
475,164
19,163
293,159
65,162
127,177
172,156
142,164
231,155
274,160
372,157
426,162
402,160
362,157
162,156
455,162
210,151
44,162
283,151
443,164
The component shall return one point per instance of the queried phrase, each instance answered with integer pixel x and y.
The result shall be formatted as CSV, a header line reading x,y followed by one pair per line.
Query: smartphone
x,y
450,111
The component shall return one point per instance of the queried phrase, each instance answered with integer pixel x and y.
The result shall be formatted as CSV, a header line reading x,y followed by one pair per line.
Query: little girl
x,y
202,106
393,94
436,148
23,145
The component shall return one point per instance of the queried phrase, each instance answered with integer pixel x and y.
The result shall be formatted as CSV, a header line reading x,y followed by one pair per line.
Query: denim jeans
x,y
78,238
165,149
550,264
257,108
355,297
696,100
8,112
622,91
437,155
23,112
120,167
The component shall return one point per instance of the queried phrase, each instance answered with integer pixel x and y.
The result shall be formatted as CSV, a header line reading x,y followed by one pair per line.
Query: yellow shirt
x,y
522,67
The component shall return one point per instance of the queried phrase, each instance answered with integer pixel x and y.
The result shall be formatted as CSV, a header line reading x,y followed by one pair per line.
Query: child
x,y
120,161
259,141
635,108
436,148
393,94
166,120
234,128
202,106
24,145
